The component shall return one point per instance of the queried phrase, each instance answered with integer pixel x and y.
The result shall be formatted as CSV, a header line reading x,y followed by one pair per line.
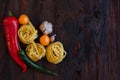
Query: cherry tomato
x,y
44,40
23,19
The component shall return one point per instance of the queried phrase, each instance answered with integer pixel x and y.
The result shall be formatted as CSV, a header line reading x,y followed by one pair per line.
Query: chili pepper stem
x,y
10,13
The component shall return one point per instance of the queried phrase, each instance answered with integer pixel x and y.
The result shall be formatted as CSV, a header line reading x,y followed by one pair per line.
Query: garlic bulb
x,y
46,27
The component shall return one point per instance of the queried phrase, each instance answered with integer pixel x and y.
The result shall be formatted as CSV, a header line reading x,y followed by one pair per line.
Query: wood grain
x,y
89,30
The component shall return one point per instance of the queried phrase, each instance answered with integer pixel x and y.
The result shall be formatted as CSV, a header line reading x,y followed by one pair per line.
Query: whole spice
x,y
33,65
52,38
10,25
46,27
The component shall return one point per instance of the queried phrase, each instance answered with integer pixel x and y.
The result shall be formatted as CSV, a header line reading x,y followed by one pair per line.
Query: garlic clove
x,y
52,38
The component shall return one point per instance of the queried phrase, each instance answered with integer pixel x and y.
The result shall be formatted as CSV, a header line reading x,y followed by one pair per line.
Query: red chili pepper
x,y
10,25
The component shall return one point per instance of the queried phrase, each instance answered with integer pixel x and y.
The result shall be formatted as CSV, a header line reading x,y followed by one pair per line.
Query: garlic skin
x,y
46,27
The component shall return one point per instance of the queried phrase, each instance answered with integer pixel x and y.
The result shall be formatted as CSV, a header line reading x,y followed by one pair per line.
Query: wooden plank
x,y
89,30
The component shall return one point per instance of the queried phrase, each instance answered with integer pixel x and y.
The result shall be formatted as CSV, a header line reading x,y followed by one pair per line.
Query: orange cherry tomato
x,y
44,40
23,19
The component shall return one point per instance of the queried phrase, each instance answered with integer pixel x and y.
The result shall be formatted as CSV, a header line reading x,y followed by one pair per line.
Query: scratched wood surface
x,y
89,30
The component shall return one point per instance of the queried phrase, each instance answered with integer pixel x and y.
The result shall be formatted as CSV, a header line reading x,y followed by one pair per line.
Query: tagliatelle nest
x,y
35,51
55,52
27,34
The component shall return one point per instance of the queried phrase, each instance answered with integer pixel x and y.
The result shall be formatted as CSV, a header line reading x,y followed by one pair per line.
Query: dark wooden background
x,y
89,30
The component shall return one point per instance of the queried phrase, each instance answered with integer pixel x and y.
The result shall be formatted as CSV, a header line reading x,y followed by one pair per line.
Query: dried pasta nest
x,y
55,52
27,34
35,51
